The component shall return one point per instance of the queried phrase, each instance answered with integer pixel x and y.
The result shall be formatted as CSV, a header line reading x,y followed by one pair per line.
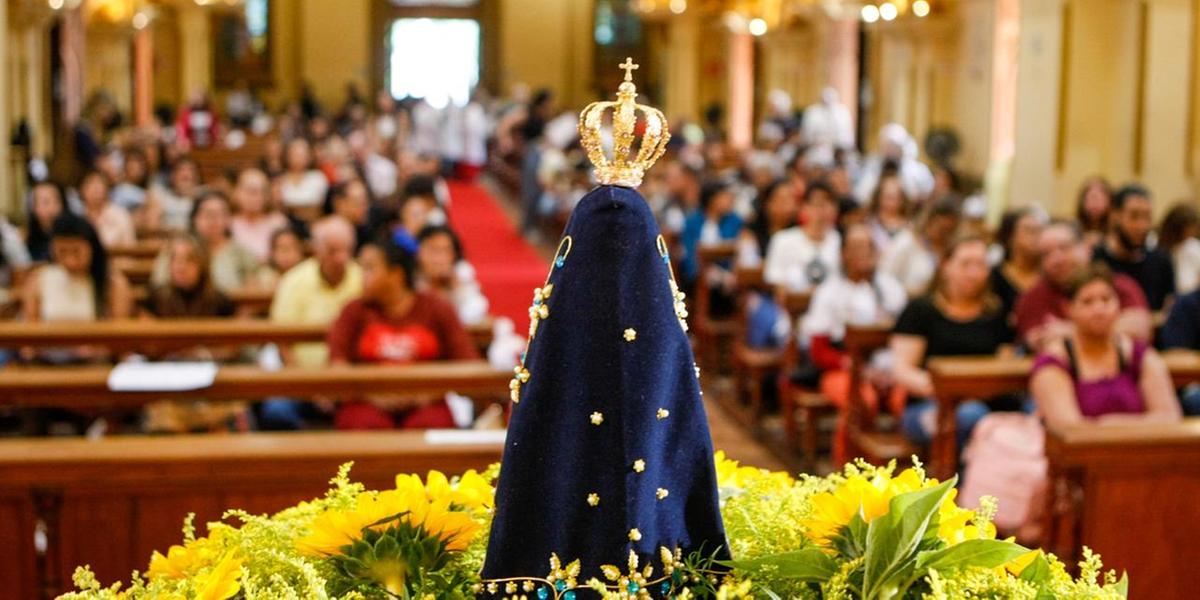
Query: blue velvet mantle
x,y
647,392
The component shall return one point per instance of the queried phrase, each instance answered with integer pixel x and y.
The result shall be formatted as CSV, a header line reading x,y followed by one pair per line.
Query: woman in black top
x,y
1018,236
960,316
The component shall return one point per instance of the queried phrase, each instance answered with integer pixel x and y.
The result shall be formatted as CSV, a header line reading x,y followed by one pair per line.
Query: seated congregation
x,y
354,245
843,293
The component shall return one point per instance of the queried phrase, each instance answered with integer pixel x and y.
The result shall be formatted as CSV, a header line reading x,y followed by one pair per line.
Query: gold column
x,y
1166,100
1037,106
683,68
741,90
842,60
143,77
72,46
36,84
1006,32
7,192
195,73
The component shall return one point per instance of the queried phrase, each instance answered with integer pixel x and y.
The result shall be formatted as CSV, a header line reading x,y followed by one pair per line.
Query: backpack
x,y
1006,459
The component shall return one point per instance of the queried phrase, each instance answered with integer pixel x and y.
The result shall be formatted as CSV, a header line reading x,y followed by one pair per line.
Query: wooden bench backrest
x,y
959,378
1128,493
88,386
109,503
149,336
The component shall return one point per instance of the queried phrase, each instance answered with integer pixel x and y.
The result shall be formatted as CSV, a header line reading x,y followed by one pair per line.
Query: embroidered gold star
x,y
639,465
634,535
630,335
538,310
661,493
593,499
597,418
663,413
520,377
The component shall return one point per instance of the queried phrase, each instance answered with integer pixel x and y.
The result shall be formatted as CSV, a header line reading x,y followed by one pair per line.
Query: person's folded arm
x,y
1158,391
908,352
1054,393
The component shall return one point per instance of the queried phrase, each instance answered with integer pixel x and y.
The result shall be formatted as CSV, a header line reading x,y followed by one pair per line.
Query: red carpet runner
x,y
507,266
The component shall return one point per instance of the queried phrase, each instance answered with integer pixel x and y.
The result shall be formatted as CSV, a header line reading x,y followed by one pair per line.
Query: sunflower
x,y
183,561
432,509
223,581
732,475
870,498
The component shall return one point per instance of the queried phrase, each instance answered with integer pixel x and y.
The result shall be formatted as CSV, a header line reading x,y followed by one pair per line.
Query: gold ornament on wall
x,y
624,168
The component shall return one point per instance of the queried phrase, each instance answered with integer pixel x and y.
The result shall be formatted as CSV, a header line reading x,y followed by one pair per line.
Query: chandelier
x,y
757,17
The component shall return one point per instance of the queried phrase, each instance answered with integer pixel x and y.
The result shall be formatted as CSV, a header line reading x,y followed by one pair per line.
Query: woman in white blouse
x,y
1177,236
302,186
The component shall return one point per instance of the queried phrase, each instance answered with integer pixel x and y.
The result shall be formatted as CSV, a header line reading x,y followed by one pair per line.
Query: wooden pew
x,y
711,333
752,366
88,386
137,270
960,378
216,160
781,364
1129,493
750,278
142,249
865,439
174,334
110,502
156,335
250,302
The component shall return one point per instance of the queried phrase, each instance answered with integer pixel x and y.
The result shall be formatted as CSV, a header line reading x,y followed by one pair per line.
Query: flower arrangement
x,y
865,532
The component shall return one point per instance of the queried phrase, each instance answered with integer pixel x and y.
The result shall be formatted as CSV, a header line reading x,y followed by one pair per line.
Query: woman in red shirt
x,y
393,323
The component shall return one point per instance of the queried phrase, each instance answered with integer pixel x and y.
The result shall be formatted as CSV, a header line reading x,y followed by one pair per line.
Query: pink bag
x,y
1006,459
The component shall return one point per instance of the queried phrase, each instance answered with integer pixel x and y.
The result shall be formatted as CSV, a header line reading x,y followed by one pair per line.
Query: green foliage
x,y
401,560
894,539
912,543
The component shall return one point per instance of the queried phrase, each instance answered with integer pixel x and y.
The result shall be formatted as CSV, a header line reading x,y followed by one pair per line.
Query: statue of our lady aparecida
x,y
608,468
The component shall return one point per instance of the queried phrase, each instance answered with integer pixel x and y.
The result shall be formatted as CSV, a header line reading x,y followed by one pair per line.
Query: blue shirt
x,y
1182,329
693,227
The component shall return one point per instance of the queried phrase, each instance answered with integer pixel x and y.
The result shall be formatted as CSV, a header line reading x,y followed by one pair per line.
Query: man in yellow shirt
x,y
313,292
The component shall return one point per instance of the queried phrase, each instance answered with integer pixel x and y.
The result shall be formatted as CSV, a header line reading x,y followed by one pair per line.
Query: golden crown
x,y
620,170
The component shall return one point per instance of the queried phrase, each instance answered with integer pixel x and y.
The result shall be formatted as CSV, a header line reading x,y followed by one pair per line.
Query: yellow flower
x,y
473,491
431,507
957,525
182,561
470,491
223,581
333,529
1018,564
871,498
731,474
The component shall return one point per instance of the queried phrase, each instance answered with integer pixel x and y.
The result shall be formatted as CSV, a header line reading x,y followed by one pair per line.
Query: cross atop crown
x,y
629,68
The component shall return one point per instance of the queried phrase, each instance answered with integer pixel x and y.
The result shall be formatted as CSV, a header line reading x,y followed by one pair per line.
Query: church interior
x,y
846,245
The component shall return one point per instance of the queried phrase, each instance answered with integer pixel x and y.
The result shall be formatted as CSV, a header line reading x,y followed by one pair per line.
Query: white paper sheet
x,y
161,376
465,436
